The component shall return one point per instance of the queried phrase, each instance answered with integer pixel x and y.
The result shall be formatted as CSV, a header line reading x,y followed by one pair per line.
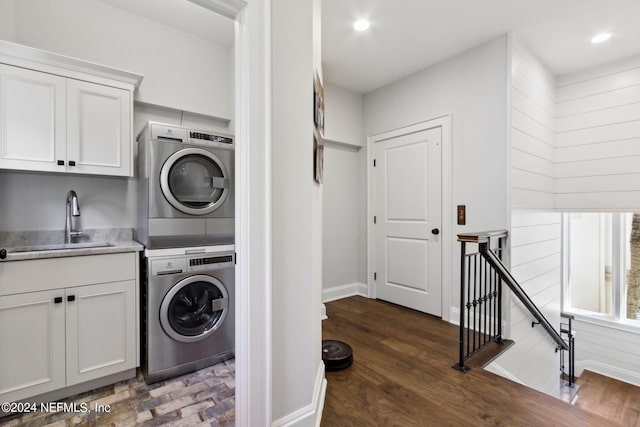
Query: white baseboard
x,y
611,371
454,315
345,291
310,415
323,312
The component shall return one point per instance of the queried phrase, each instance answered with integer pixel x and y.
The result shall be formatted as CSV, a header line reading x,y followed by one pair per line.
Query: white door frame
x,y
253,206
447,231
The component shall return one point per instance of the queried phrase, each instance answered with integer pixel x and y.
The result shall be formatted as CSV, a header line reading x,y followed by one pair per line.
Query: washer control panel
x,y
164,264
163,267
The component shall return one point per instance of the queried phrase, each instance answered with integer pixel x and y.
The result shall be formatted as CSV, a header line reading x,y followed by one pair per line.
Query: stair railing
x,y
481,276
480,296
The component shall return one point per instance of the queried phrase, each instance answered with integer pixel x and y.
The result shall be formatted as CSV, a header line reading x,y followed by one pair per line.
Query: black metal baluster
x,y
499,281
468,306
475,301
463,248
485,302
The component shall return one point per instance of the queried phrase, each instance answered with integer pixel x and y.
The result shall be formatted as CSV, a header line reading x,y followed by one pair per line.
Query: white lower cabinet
x,y
51,339
101,330
32,349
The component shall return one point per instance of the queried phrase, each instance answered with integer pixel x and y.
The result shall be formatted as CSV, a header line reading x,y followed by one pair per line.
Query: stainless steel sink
x,y
60,247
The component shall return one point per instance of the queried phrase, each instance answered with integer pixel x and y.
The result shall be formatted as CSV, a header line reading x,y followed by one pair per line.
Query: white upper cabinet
x,y
99,129
59,114
32,120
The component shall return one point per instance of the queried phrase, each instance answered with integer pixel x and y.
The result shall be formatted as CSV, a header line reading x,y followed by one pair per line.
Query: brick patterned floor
x,y
203,398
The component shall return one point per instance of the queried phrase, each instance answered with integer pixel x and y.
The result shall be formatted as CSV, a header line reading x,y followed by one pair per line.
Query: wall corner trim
x,y
309,415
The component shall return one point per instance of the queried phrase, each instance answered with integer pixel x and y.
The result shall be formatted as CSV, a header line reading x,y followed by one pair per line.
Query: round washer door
x,y
194,181
194,308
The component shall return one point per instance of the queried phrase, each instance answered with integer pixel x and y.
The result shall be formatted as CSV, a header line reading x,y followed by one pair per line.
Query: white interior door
x,y
408,209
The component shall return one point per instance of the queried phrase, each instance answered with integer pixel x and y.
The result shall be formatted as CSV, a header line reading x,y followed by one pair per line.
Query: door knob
x,y
435,231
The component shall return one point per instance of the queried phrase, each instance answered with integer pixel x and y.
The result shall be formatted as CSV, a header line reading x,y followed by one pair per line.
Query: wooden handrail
x,y
481,237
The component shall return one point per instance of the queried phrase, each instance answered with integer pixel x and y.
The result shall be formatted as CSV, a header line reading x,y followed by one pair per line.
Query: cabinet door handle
x,y
72,162
57,300
60,162
71,298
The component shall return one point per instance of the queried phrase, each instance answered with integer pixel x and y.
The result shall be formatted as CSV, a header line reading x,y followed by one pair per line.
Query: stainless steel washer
x,y
188,310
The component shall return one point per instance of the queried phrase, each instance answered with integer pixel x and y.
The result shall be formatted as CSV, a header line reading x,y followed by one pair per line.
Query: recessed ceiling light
x,y
601,38
361,25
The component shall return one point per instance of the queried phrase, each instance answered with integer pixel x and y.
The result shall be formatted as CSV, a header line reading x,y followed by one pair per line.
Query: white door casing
x,y
409,197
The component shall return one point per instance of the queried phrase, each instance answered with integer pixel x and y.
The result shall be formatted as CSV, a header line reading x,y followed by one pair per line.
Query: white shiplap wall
x,y
535,226
532,132
535,263
598,168
598,138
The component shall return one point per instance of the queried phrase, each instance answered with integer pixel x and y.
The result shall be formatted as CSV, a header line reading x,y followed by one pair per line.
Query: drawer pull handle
x,y
57,300
71,298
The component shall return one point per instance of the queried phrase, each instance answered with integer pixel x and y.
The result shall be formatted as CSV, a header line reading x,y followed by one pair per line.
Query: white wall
x,y
343,116
608,350
598,137
532,132
593,147
297,368
341,219
598,168
344,239
7,24
535,227
182,71
472,88
535,264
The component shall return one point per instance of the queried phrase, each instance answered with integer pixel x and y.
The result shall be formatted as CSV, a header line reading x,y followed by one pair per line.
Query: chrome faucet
x,y
72,209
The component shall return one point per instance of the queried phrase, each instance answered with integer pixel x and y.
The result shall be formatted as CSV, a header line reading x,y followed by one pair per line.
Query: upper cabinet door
x,y
98,129
32,120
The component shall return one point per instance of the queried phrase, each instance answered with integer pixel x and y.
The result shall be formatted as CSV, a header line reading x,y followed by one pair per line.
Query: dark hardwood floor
x,y
402,376
610,398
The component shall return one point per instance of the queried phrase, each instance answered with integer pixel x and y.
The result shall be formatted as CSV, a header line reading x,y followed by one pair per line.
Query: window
x,y
602,265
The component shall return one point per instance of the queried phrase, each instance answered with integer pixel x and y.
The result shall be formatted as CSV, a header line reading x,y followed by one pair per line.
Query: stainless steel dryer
x,y
185,187
188,314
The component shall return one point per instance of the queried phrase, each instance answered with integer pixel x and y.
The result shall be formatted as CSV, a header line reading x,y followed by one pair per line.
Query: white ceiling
x,y
408,35
182,14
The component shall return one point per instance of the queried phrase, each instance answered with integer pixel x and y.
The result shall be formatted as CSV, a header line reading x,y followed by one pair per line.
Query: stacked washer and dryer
x,y
186,223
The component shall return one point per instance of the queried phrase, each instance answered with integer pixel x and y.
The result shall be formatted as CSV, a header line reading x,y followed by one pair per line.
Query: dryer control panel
x,y
213,262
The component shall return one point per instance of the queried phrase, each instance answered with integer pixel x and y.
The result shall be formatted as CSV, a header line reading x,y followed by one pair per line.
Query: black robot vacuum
x,y
336,355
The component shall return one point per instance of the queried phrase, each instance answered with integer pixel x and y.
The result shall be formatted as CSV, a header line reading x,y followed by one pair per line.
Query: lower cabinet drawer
x,y
54,273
